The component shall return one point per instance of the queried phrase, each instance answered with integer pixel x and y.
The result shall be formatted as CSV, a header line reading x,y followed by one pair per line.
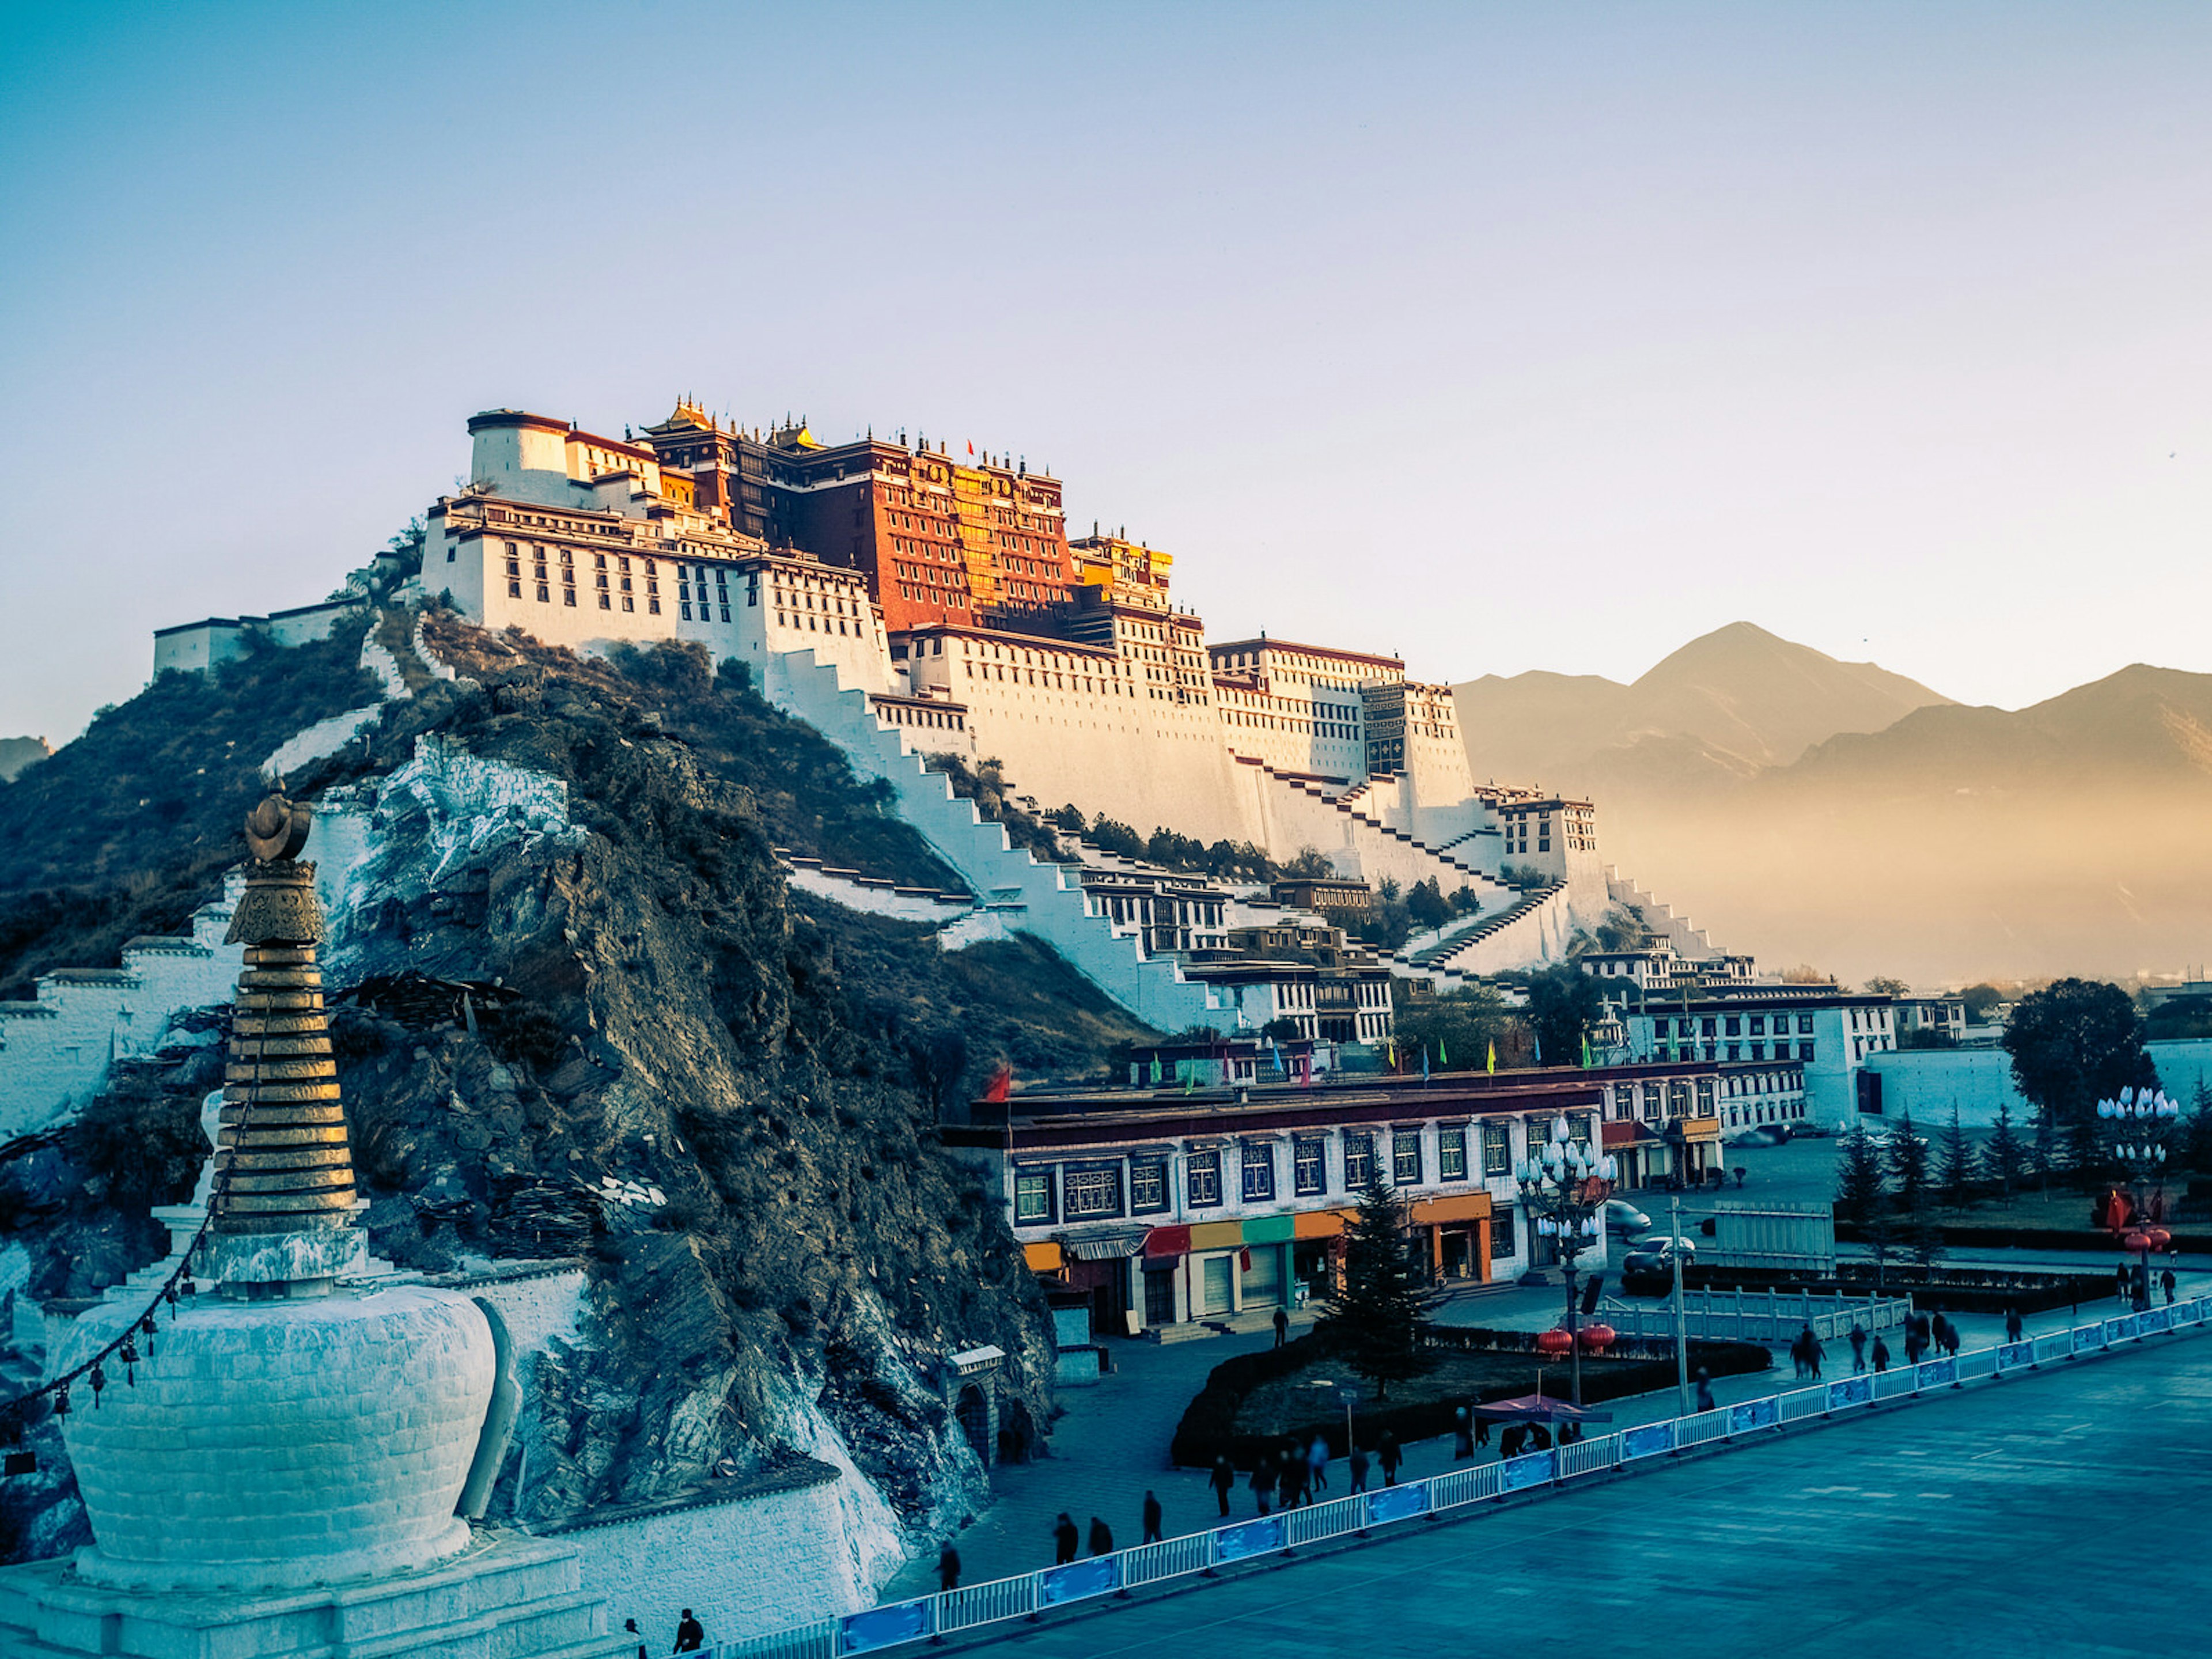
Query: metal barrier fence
x,y
897,1623
1766,1317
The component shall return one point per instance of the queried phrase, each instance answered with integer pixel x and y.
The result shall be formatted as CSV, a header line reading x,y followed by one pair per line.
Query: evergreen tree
x,y
1908,1168
1374,1316
2197,1130
1863,1195
2005,1157
2072,1044
1955,1164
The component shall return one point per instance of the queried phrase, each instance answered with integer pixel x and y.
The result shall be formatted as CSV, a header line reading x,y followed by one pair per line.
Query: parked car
x,y
1654,1257
1622,1217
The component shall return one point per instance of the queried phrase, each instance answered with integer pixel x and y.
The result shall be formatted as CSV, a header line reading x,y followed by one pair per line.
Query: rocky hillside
x,y
17,753
584,849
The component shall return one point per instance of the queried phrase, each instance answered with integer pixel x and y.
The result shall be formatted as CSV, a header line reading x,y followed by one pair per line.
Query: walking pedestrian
x,y
1816,1353
1291,1490
1282,1329
1462,1435
1705,1389
1102,1537
2166,1279
1318,1465
1914,1344
630,1628
2013,1325
1858,1348
2121,1286
1359,1469
691,1635
1263,1481
1881,1355
1510,1439
1388,1455
1800,1360
1947,1336
948,1568
1065,1538
1223,1481
1153,1519
1541,1436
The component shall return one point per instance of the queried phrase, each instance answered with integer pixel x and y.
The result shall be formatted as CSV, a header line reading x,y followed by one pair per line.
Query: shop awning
x,y
1041,1258
1164,1242
1116,1244
1216,1234
1701,1128
1270,1230
1323,1224
1465,1206
1629,1132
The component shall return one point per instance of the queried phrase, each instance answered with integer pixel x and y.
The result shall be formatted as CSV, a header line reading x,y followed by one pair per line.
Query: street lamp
x,y
1563,1186
2141,1117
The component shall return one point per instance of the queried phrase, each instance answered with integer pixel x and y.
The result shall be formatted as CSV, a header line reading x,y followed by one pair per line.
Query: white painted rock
x,y
276,1444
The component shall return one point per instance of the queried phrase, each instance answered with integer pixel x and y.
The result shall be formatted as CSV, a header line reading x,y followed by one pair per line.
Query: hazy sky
x,y
1503,338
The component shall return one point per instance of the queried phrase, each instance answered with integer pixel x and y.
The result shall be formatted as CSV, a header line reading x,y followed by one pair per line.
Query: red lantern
x,y
1596,1338
1556,1341
2157,1237
2134,1241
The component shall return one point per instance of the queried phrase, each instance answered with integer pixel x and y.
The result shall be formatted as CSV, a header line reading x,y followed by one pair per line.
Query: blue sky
x,y
1500,336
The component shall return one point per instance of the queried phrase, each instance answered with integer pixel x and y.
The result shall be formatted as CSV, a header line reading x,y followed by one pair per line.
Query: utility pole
x,y
1681,1338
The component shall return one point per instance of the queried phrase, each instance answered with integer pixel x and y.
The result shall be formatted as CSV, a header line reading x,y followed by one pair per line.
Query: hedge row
x,y
1955,1290
1208,1427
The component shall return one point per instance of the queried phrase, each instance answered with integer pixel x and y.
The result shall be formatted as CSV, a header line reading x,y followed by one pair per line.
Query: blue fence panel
x,y
1935,1373
1080,1579
1851,1391
2158,1319
1397,1502
1258,1537
1754,1414
2015,1354
887,1626
1646,1440
1532,1470
2120,1330
2087,1337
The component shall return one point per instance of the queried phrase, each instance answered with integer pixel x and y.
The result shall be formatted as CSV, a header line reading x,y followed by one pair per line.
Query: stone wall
x,y
1928,1082
771,1553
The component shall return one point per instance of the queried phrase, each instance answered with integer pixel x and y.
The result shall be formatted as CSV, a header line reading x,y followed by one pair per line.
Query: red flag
x,y
971,449
1001,1081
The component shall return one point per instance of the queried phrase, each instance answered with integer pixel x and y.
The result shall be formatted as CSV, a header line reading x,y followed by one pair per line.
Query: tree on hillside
x,y
1425,903
1564,1003
1458,1027
1374,1316
1954,1164
2198,1129
1863,1193
1310,864
2072,1044
1883,986
1982,1001
2004,1158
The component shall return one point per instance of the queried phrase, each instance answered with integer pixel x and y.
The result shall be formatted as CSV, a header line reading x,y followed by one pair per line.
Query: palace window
x,y
1358,1161
1204,1178
1148,1186
1405,1158
1310,1173
1259,1164
1497,1149
1451,1154
1032,1197
1091,1191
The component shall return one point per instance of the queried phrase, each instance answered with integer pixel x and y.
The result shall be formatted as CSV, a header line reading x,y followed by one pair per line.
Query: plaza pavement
x,y
1110,1443
2054,1513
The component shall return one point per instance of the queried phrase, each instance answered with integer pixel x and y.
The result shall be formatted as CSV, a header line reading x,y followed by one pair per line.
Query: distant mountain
x,y
1953,843
1724,708
17,753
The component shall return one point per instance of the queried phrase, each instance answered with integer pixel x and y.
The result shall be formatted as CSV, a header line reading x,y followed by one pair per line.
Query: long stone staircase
x,y
1301,809
1046,900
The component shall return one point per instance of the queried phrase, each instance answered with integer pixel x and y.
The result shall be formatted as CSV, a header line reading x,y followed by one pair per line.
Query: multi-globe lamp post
x,y
2141,1118
1564,1185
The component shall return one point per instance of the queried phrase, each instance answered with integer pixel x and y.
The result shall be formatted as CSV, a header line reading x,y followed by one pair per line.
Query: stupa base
x,y
505,1595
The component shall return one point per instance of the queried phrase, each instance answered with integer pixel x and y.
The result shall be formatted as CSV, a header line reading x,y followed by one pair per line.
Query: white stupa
x,y
288,1469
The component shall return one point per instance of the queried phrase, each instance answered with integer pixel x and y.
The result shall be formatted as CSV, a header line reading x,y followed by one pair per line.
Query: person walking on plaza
x,y
2166,1279
1065,1538
1223,1481
691,1635
2013,1325
1858,1348
948,1568
1390,1457
1915,1343
1541,1436
1510,1439
1102,1537
1282,1329
1816,1353
1462,1435
1881,1354
1359,1469
1947,1336
630,1628
1152,1519
2121,1276
1292,1491
1318,1465
1705,1389
1263,1481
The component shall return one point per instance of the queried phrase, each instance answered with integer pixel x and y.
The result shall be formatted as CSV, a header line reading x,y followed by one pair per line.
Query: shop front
x,y
1458,1229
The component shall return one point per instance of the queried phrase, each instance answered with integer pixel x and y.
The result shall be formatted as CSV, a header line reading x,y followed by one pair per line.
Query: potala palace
x,y
944,605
